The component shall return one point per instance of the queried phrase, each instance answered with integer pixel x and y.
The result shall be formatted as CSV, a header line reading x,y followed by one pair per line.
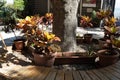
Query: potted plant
x,y
109,54
44,52
40,42
87,57
86,22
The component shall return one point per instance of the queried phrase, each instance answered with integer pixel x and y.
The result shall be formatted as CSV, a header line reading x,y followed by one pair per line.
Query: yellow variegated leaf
x,y
52,35
49,36
28,18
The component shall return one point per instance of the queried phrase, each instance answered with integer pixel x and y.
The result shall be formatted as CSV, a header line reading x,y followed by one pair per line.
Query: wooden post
x,y
3,42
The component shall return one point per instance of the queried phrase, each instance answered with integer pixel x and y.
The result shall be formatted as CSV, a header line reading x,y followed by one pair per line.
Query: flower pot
x,y
42,60
18,45
105,60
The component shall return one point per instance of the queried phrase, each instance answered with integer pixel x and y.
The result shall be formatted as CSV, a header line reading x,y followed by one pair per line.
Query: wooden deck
x,y
12,68
44,73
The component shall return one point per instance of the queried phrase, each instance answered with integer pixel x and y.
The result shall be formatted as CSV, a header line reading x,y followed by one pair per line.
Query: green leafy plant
x,y
19,5
91,51
85,21
111,32
10,13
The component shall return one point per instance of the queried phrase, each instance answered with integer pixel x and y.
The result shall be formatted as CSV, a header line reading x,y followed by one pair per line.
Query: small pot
x,y
88,38
18,45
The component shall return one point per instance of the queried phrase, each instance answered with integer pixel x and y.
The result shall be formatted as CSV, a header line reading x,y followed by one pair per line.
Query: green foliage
x,y
19,5
10,13
8,17
90,50
95,20
2,3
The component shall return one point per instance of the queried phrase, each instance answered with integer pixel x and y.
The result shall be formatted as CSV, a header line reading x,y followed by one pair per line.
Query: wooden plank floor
x,y
14,70
44,73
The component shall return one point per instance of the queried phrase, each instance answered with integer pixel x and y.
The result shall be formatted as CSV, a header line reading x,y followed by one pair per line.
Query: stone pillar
x,y
65,22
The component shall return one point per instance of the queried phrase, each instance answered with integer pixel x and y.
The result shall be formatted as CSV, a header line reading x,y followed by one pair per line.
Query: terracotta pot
x,y
105,60
43,60
18,44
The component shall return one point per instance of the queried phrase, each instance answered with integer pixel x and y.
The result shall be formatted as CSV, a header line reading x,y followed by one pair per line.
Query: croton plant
x,y
42,41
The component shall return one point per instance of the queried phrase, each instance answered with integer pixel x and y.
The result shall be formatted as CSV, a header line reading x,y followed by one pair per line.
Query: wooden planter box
x,y
68,58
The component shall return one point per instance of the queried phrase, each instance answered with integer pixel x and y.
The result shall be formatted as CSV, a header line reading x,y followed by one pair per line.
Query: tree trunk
x,y
65,22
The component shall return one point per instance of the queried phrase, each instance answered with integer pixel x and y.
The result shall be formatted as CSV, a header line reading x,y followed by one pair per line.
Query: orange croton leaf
x,y
113,20
20,25
103,13
57,39
86,18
